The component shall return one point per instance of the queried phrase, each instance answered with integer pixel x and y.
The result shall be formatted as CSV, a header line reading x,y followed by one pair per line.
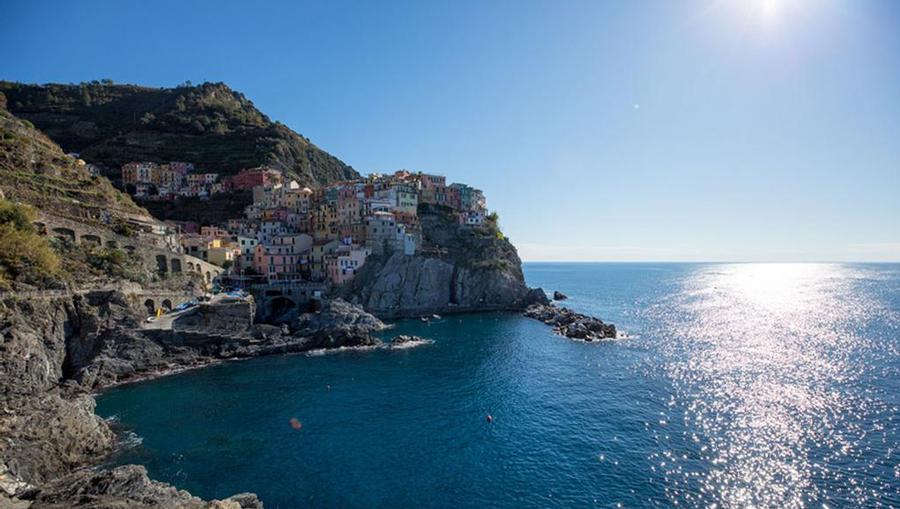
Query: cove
x,y
729,386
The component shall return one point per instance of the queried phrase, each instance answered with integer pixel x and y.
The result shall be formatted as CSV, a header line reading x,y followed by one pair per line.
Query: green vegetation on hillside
x,y
25,256
35,171
209,125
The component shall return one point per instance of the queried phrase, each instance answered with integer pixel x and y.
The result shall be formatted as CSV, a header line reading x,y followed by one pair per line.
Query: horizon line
x,y
894,262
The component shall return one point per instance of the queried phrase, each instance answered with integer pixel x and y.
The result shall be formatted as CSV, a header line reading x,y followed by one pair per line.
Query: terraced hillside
x,y
210,125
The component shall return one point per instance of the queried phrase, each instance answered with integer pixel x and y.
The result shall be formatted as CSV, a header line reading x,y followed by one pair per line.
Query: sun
x,y
768,9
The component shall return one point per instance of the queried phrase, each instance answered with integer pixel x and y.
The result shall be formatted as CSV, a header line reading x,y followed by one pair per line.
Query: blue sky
x,y
690,130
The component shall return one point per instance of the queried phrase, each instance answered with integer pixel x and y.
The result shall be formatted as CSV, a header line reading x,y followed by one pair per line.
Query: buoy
x,y
295,423
490,418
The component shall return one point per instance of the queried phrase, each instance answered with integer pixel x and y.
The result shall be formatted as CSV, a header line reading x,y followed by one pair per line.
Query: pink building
x,y
345,262
284,255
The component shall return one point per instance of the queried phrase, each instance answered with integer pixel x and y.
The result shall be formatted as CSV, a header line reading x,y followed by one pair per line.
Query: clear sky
x,y
620,130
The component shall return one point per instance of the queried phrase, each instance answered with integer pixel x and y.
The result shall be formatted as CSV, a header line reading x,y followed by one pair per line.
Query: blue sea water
x,y
739,385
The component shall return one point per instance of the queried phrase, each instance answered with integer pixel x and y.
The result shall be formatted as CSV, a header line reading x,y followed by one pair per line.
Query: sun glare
x,y
767,14
768,9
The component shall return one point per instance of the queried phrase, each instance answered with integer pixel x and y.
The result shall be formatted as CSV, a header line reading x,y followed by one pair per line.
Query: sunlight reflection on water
x,y
762,367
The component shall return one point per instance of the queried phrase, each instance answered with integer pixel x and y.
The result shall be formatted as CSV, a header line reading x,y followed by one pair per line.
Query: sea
x,y
733,385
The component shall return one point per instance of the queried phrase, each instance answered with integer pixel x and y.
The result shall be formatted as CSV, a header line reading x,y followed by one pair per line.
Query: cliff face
x,y
52,351
209,125
459,269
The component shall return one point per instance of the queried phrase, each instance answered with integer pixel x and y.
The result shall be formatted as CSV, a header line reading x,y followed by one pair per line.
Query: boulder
x,y
338,324
558,295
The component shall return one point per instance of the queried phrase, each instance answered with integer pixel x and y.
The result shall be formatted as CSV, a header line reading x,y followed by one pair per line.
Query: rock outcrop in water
x,y
407,341
338,324
459,269
571,324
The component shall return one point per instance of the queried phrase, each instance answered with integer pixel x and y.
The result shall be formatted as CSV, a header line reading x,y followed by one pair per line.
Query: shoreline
x,y
339,328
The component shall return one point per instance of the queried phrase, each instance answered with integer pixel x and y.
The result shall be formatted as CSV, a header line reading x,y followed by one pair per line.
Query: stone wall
x,y
151,248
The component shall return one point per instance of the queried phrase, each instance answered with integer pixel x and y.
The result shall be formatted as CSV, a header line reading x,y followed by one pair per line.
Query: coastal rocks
x,y
558,295
11,485
53,351
49,434
127,487
338,324
408,286
406,341
571,324
457,269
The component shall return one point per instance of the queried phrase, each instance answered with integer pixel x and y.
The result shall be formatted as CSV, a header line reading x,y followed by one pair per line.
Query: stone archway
x,y
151,306
176,265
208,277
64,234
162,264
277,306
92,240
167,305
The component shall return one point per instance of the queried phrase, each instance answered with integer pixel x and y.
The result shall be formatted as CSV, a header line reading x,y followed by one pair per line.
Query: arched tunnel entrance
x,y
151,306
278,306
167,305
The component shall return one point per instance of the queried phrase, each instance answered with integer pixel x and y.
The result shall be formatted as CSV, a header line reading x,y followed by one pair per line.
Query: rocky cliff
x,y
210,125
49,430
55,351
458,269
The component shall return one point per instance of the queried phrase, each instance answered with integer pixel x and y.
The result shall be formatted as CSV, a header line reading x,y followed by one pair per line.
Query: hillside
x,y
210,125
37,178
34,170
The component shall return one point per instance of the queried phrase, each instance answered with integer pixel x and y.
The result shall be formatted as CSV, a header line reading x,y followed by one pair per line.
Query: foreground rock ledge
x,y
55,352
571,324
127,487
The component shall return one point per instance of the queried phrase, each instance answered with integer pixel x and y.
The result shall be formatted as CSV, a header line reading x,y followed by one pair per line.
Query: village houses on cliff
x,y
295,234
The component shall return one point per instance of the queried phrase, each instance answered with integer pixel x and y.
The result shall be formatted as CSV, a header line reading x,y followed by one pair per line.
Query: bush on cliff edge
x,y
25,256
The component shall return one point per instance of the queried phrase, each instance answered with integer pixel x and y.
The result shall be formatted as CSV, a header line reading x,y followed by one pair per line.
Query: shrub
x,y
21,216
24,255
122,228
